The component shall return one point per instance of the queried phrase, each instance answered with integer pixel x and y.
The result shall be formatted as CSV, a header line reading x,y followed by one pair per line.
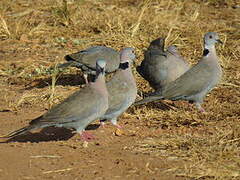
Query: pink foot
x,y
102,124
202,110
118,126
199,107
86,136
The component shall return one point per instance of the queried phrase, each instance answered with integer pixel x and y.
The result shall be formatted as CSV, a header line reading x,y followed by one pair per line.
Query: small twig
x,y
230,141
57,171
55,77
136,27
45,156
4,25
229,84
3,73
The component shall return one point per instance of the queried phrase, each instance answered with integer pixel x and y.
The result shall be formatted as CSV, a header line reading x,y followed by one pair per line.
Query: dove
x,y
86,59
199,80
160,67
174,51
122,88
78,110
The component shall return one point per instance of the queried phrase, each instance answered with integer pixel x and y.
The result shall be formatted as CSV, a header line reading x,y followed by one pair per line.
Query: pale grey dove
x,y
86,59
78,110
161,67
193,85
122,88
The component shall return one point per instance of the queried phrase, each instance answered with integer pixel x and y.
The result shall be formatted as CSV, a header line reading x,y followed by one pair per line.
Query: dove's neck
x,y
210,56
209,50
128,75
100,84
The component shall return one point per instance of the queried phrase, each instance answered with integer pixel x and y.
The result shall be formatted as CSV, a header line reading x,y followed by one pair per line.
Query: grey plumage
x,y
161,67
183,63
122,87
196,82
86,59
78,110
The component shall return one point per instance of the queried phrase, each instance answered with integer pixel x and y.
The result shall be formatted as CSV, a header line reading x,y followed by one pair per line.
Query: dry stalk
x,y
229,84
173,24
45,156
4,25
136,27
57,171
55,77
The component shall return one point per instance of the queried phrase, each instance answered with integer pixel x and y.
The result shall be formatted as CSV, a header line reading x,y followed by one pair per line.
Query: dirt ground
x,y
156,142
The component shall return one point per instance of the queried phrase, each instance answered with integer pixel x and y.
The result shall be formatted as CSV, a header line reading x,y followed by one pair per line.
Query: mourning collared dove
x,y
78,110
194,84
161,67
86,59
122,88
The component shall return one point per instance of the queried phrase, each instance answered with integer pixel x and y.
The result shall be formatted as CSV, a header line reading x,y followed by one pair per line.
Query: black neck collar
x,y
124,65
205,52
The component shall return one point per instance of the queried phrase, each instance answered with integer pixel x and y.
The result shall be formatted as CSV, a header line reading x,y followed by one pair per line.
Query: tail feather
x,y
70,64
65,65
147,100
69,58
18,132
139,70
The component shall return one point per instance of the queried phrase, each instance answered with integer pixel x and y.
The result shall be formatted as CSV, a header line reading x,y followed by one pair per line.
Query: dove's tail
x,y
65,65
18,132
69,58
147,100
139,70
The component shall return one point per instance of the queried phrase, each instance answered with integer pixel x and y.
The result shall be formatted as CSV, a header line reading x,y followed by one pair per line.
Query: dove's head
x,y
211,38
100,66
127,56
157,44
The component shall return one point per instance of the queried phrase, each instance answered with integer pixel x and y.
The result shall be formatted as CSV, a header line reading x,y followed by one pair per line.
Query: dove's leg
x,y
85,76
114,122
86,136
199,107
102,123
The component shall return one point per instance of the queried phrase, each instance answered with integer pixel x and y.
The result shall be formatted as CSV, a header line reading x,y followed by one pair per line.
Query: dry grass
x,y
43,31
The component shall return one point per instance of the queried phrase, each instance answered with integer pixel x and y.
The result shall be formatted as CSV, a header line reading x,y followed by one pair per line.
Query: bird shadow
x,y
63,80
165,106
160,105
48,134
45,135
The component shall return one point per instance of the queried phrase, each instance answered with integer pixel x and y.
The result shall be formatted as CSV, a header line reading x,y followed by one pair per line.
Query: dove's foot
x,y
199,107
102,124
118,126
85,76
86,136
114,122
